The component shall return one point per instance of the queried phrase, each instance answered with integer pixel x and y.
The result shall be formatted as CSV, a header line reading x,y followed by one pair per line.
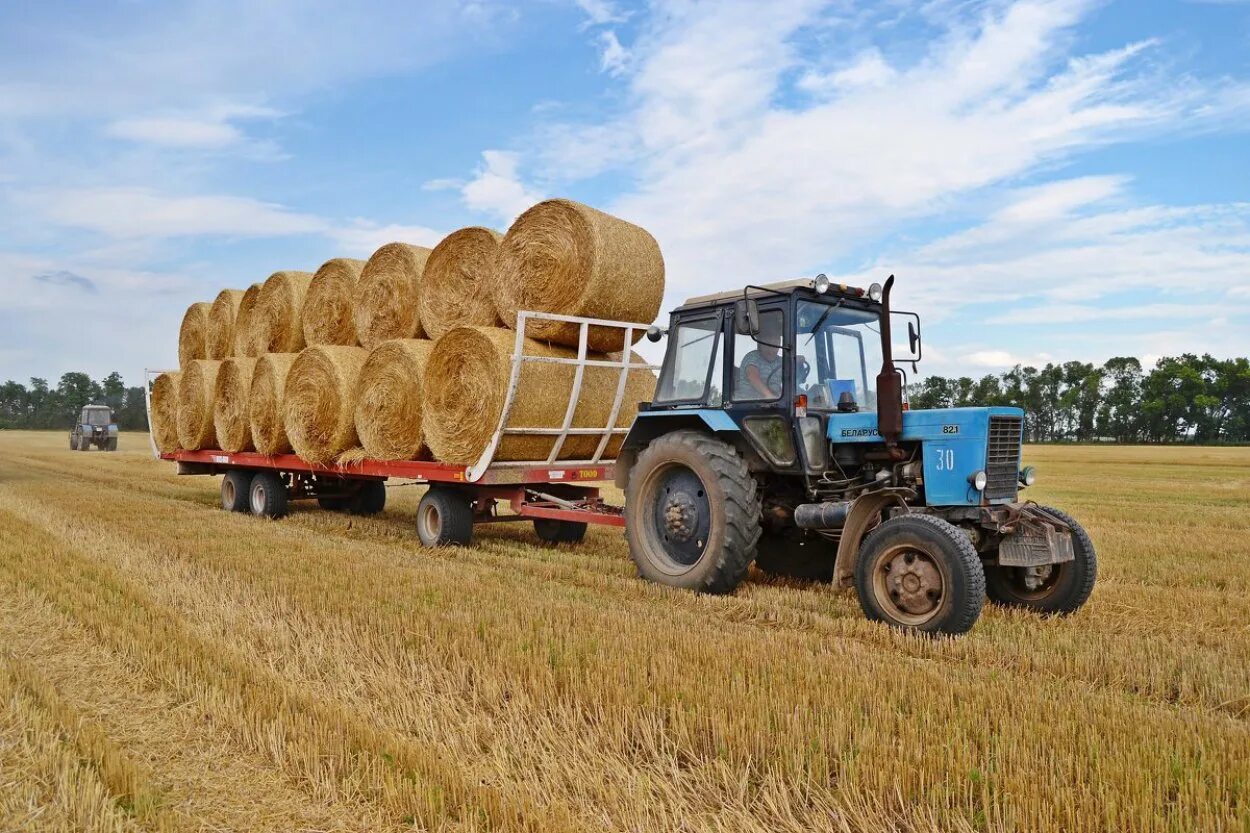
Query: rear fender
x,y
652,424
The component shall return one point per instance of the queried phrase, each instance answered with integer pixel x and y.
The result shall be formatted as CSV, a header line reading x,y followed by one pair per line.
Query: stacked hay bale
x,y
408,355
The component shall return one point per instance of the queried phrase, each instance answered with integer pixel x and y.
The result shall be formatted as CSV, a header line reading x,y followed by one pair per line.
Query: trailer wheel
x,y
236,491
268,495
920,573
444,518
1057,588
333,504
370,498
692,513
559,532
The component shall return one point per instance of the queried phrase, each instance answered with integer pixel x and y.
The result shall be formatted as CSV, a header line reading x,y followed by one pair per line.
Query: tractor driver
x,y
759,374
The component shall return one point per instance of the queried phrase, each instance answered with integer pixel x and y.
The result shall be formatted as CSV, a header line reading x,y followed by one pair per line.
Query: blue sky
x,y
1049,179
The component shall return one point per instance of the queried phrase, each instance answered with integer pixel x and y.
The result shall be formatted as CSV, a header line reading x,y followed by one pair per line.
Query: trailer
x,y
558,496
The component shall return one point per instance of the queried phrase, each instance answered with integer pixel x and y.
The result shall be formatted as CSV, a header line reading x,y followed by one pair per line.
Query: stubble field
x,y
168,666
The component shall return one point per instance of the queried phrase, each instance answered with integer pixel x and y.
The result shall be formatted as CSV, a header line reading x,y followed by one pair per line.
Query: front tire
x,y
920,573
1061,590
692,513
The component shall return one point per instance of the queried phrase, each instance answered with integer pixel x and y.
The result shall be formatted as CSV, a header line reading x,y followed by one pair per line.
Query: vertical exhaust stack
x,y
889,380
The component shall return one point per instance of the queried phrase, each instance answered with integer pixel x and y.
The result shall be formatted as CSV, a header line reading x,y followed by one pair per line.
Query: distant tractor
x,y
95,427
769,440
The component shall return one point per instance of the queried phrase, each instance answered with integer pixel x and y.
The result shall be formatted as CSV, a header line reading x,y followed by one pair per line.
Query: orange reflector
x,y
800,405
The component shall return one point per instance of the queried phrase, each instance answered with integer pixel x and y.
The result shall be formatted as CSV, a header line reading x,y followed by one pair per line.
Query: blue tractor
x,y
96,427
770,441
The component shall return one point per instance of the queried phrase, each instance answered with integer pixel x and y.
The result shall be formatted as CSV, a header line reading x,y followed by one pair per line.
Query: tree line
x,y
39,405
1187,398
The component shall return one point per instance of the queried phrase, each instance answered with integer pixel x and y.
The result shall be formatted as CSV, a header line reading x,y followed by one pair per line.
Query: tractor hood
x,y
956,443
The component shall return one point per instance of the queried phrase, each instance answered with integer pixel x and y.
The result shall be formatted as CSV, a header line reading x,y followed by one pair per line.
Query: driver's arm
x,y
757,382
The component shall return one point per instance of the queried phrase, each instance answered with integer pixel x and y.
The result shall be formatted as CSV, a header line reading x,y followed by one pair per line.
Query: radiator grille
x,y
1002,458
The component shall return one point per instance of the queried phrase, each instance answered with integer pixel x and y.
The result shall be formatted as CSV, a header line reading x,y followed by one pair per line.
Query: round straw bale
x,y
327,314
195,404
221,320
193,334
466,381
242,319
385,304
165,412
264,403
564,257
320,401
389,400
274,324
455,287
231,421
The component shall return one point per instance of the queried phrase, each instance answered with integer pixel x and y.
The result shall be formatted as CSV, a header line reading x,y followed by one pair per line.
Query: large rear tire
x,y
692,513
84,443
1059,589
111,444
268,495
445,518
920,573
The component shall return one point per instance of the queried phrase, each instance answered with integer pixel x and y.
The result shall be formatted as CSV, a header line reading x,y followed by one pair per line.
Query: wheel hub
x,y
680,516
913,582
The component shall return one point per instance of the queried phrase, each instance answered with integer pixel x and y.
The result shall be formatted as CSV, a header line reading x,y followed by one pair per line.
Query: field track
x,y
168,666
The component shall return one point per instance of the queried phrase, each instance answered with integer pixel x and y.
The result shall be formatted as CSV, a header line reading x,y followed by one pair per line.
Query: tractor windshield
x,y
837,352
96,416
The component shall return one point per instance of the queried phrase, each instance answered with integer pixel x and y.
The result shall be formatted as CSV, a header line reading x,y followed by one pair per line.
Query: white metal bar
x,y
626,354
575,394
555,432
567,360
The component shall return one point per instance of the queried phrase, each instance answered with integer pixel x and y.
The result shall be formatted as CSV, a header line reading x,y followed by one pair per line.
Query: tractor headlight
x,y
874,292
1028,476
821,284
979,481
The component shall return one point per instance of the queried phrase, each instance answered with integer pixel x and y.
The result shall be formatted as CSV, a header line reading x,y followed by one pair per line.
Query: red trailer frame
x,y
551,493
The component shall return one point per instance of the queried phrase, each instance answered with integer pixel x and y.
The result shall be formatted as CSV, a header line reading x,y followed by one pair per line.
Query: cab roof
x,y
783,287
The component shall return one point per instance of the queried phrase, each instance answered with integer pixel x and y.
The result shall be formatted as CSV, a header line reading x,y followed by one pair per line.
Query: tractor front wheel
x,y
692,513
1052,588
920,573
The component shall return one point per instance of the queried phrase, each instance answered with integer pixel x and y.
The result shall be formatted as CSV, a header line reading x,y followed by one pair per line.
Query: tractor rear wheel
x,y
235,491
1054,588
559,532
73,443
268,495
84,443
692,513
111,444
445,517
786,553
920,573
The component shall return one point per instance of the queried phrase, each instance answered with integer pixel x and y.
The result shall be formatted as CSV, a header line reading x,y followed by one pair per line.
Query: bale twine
x,y
264,403
165,412
193,334
564,257
320,401
466,380
242,319
231,421
385,303
195,404
390,400
274,325
221,320
327,313
455,288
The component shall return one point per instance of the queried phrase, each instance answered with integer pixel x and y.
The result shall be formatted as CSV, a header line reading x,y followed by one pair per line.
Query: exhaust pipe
x,y
889,380
831,515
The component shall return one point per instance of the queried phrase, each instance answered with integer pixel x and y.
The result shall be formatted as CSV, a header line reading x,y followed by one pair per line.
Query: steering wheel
x,y
801,371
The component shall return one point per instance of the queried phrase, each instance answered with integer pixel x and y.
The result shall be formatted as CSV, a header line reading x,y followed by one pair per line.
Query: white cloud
x,y
869,69
210,128
614,58
362,237
496,189
144,213
600,12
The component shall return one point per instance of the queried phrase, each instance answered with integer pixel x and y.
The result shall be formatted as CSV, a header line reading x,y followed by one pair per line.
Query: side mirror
x,y
747,317
654,333
914,345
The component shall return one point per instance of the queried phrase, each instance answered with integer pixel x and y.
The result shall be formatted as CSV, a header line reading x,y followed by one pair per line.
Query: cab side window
x,y
697,368
759,361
